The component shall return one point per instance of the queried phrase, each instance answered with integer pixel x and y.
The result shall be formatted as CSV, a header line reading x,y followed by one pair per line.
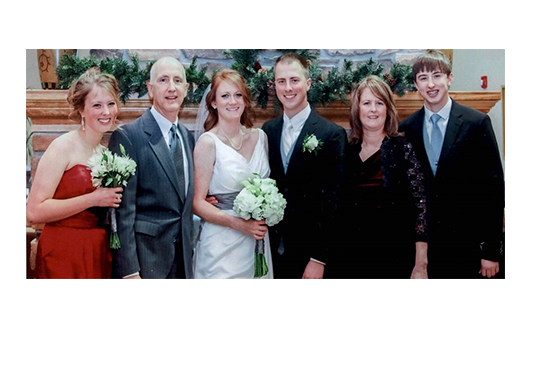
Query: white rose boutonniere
x,y
312,144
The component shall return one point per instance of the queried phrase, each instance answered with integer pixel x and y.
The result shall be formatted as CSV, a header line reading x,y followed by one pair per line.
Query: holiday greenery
x,y
198,81
325,88
131,79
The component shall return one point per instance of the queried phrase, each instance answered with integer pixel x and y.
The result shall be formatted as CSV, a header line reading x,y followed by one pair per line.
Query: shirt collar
x,y
164,123
443,112
298,120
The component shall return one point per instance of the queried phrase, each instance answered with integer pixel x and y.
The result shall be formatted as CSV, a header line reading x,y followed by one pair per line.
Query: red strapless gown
x,y
74,247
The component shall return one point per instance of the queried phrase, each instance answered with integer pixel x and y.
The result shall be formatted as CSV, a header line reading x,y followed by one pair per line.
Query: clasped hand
x,y
251,227
256,229
108,197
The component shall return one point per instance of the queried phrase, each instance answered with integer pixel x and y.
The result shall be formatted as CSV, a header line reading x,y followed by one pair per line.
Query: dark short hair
x,y
432,60
381,90
235,78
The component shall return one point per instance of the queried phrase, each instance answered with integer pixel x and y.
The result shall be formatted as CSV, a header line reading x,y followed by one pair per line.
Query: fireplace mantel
x,y
48,110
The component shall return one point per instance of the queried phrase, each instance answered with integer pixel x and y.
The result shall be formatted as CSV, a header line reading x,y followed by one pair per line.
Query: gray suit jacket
x,y
155,218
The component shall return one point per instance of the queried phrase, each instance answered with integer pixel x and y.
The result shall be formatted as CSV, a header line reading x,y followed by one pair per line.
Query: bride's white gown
x,y
222,252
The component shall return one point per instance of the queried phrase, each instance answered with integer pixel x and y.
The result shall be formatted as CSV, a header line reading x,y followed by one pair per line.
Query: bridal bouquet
x,y
111,171
260,199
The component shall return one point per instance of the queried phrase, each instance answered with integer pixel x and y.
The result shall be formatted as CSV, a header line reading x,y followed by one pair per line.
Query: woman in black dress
x,y
383,212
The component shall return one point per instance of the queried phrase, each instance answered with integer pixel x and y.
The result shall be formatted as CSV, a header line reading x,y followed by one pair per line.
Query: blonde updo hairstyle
x,y
81,88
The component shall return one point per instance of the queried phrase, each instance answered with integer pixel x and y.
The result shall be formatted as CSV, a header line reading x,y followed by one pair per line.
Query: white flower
x,y
312,144
260,199
245,203
110,170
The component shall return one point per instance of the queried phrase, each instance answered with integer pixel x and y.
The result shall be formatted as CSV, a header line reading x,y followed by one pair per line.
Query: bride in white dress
x,y
229,152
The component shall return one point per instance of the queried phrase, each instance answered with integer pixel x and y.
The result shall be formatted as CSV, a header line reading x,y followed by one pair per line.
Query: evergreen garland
x,y
198,82
245,61
365,69
400,79
71,67
261,85
131,79
303,52
336,85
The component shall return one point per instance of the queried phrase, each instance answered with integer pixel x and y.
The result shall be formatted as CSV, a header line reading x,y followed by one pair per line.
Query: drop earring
x,y
83,125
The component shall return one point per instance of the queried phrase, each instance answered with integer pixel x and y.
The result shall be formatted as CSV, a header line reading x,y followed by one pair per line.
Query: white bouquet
x,y
260,199
111,171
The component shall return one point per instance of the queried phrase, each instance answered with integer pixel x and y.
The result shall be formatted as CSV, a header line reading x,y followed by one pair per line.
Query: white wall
x,y
33,75
468,67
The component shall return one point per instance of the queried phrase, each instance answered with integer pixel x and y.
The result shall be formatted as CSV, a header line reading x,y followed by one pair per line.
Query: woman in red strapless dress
x,y
72,243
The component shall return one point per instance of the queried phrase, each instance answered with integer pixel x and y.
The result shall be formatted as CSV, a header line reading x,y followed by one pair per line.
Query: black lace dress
x,y
383,212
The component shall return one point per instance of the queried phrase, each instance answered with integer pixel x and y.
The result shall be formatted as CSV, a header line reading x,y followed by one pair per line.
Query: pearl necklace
x,y
229,140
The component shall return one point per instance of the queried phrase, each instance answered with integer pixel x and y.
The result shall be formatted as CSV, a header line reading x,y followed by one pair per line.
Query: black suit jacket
x,y
311,187
155,217
466,197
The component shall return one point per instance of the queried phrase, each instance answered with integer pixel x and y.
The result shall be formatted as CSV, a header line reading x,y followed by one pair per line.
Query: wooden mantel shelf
x,y
48,110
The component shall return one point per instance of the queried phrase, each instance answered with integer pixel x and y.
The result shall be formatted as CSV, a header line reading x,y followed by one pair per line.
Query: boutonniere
x,y
312,144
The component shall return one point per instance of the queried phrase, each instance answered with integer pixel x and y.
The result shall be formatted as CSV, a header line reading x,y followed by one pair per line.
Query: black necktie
x,y
177,156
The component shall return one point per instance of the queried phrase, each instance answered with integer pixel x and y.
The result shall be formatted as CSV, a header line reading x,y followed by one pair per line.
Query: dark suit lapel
x,y
416,128
451,133
274,144
160,149
308,129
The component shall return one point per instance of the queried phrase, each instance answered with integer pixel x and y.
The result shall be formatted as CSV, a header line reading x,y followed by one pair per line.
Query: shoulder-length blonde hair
x,y
381,90
237,80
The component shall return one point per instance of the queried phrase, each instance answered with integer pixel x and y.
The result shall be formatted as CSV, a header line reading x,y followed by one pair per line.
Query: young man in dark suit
x,y
155,217
309,175
465,181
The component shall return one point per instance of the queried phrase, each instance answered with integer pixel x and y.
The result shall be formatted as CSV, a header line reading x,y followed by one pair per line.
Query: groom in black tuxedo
x,y
306,160
465,181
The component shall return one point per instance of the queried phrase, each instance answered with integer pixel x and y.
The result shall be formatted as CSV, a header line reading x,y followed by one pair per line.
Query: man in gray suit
x,y
155,216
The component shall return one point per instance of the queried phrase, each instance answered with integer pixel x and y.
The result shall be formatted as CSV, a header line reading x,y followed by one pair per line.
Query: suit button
x,y
286,190
174,240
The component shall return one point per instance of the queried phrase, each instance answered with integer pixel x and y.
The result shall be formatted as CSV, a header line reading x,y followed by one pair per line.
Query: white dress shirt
x,y
293,126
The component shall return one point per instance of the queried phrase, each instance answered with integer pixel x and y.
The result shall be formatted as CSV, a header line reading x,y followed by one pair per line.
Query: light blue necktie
x,y
436,141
